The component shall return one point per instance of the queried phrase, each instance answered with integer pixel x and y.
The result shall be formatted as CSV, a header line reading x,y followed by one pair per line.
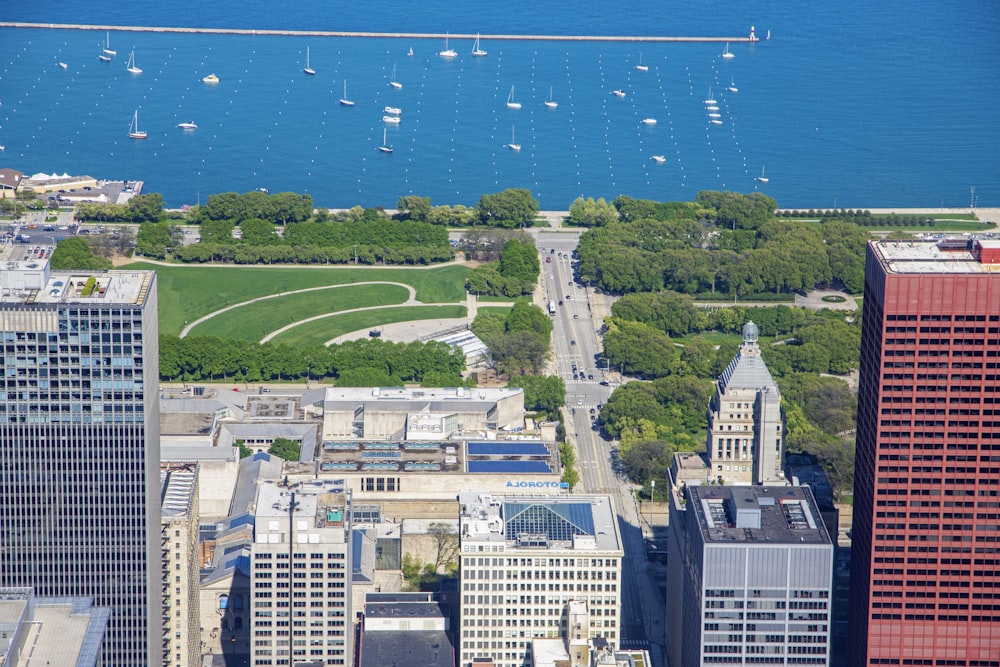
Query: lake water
x,y
855,105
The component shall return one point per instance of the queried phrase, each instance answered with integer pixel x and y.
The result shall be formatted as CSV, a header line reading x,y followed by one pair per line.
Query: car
x,y
552,250
590,376
603,383
560,302
548,260
85,232
579,401
567,296
572,342
571,283
575,316
592,411
63,228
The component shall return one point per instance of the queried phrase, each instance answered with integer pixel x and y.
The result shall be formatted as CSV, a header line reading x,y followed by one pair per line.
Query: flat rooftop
x,y
520,456
577,523
757,514
943,256
33,281
449,398
425,648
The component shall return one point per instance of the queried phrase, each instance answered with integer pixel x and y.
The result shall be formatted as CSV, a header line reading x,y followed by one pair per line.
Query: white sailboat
x,y
476,51
762,178
107,46
63,65
345,101
618,92
307,69
513,145
649,121
709,99
385,147
130,65
391,120
392,111
189,125
392,81
103,56
511,104
550,103
133,129
447,53
732,86
659,159
640,67
726,54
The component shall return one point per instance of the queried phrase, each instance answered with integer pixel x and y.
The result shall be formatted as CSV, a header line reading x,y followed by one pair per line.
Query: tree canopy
x,y
75,253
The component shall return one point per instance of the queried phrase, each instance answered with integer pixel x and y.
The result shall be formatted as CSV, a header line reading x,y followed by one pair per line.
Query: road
x,y
576,342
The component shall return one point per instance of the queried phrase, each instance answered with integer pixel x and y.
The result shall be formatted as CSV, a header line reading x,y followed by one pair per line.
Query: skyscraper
x,y
925,562
745,429
79,446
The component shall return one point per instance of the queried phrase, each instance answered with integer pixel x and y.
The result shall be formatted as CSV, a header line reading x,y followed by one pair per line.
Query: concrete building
x,y
405,630
745,429
750,577
181,564
79,427
301,577
925,557
395,413
49,631
593,652
536,567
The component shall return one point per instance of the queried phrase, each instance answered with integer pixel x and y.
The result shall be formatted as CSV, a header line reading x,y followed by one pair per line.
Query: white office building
x,y
530,567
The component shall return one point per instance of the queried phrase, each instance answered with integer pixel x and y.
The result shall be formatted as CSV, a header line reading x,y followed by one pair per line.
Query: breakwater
x,y
386,35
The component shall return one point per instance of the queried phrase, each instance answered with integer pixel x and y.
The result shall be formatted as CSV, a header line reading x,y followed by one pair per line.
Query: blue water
x,y
855,105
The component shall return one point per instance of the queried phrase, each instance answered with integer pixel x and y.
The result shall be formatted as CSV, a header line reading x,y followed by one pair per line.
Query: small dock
x,y
377,35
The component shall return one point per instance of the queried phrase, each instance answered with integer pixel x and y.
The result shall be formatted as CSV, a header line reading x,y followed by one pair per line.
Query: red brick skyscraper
x,y
925,568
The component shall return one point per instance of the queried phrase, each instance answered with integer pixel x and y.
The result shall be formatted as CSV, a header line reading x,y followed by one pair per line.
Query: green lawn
x,y
319,332
252,321
503,310
189,292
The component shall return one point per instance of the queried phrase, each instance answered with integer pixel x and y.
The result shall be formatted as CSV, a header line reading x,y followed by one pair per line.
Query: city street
x,y
576,346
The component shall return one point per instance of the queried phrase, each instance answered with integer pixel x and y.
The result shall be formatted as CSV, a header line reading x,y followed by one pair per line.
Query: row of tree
x,y
511,208
359,363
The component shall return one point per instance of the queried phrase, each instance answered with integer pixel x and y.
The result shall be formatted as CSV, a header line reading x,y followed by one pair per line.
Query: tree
x,y
257,232
153,239
285,448
525,316
446,544
145,208
544,393
591,213
74,253
648,460
414,208
514,207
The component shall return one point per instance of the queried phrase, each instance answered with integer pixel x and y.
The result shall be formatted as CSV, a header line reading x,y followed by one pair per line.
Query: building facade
x,y
525,563
745,429
300,581
752,579
79,446
925,558
181,564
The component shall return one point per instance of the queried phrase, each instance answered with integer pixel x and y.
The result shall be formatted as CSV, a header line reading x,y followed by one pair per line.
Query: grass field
x,y
503,310
189,292
319,332
252,321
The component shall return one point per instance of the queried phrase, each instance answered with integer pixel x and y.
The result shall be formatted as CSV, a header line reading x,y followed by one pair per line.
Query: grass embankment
x,y
318,332
189,292
253,320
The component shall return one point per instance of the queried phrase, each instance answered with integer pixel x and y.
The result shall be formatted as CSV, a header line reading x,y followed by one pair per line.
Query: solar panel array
x,y
497,467
508,448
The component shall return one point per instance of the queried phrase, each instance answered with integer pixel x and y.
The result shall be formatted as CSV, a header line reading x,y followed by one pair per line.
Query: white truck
x,y
552,307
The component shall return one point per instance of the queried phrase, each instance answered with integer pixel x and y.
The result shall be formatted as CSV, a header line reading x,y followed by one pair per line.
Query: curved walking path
x,y
406,304
412,300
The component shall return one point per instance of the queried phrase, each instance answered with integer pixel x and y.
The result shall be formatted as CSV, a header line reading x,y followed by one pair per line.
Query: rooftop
x,y
944,256
61,631
421,647
178,484
33,281
757,514
540,522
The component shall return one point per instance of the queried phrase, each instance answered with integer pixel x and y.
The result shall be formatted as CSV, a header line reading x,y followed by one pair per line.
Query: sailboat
x,y
726,54
732,86
307,69
392,82
389,119
511,104
447,53
709,99
659,159
130,65
513,145
343,100
649,121
476,51
385,148
107,46
762,178
640,67
103,56
133,129
189,125
63,65
550,103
